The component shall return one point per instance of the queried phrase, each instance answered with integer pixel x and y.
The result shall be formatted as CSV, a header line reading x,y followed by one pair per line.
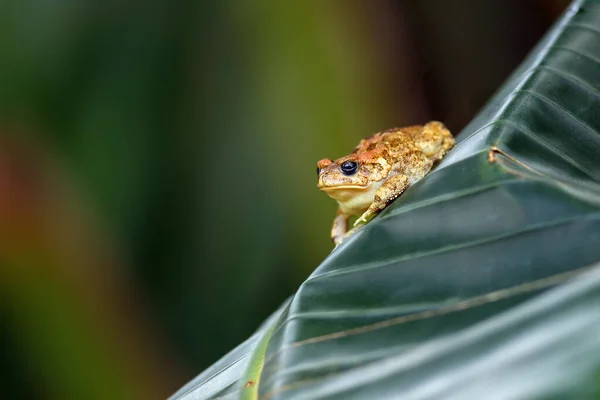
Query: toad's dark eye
x,y
349,167
318,171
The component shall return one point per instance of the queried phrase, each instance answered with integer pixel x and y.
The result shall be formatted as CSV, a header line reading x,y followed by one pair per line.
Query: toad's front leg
x,y
391,188
339,228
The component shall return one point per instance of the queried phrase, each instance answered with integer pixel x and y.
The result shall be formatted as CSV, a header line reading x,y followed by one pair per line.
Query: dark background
x,y
157,164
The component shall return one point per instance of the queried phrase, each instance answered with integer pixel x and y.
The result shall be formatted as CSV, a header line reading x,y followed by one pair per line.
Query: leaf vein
x,y
523,129
463,245
564,110
577,52
476,301
585,27
584,85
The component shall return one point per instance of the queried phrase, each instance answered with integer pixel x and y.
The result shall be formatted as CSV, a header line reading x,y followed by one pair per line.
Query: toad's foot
x,y
366,217
346,236
339,228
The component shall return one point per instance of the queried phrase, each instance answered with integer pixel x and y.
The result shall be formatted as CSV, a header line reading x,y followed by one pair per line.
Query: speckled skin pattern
x,y
387,164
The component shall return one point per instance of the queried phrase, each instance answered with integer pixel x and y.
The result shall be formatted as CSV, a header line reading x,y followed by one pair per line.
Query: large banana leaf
x,y
473,283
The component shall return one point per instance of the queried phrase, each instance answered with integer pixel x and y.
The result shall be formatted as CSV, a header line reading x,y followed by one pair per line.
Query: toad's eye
x,y
349,167
318,171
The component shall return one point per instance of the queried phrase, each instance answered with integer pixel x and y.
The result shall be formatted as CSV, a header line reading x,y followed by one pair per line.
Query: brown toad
x,y
379,169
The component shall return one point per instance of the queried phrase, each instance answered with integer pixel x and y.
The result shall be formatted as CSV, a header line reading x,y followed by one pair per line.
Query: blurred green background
x,y
157,164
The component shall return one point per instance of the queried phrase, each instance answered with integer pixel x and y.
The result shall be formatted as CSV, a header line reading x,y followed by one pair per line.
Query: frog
x,y
379,170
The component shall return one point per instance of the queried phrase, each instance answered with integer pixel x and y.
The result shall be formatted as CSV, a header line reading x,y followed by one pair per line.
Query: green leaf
x,y
225,376
467,286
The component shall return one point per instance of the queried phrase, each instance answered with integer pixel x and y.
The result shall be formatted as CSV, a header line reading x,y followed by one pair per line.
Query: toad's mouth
x,y
345,193
353,199
343,187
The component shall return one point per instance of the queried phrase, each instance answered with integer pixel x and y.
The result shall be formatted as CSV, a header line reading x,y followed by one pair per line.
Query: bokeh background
x,y
157,164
